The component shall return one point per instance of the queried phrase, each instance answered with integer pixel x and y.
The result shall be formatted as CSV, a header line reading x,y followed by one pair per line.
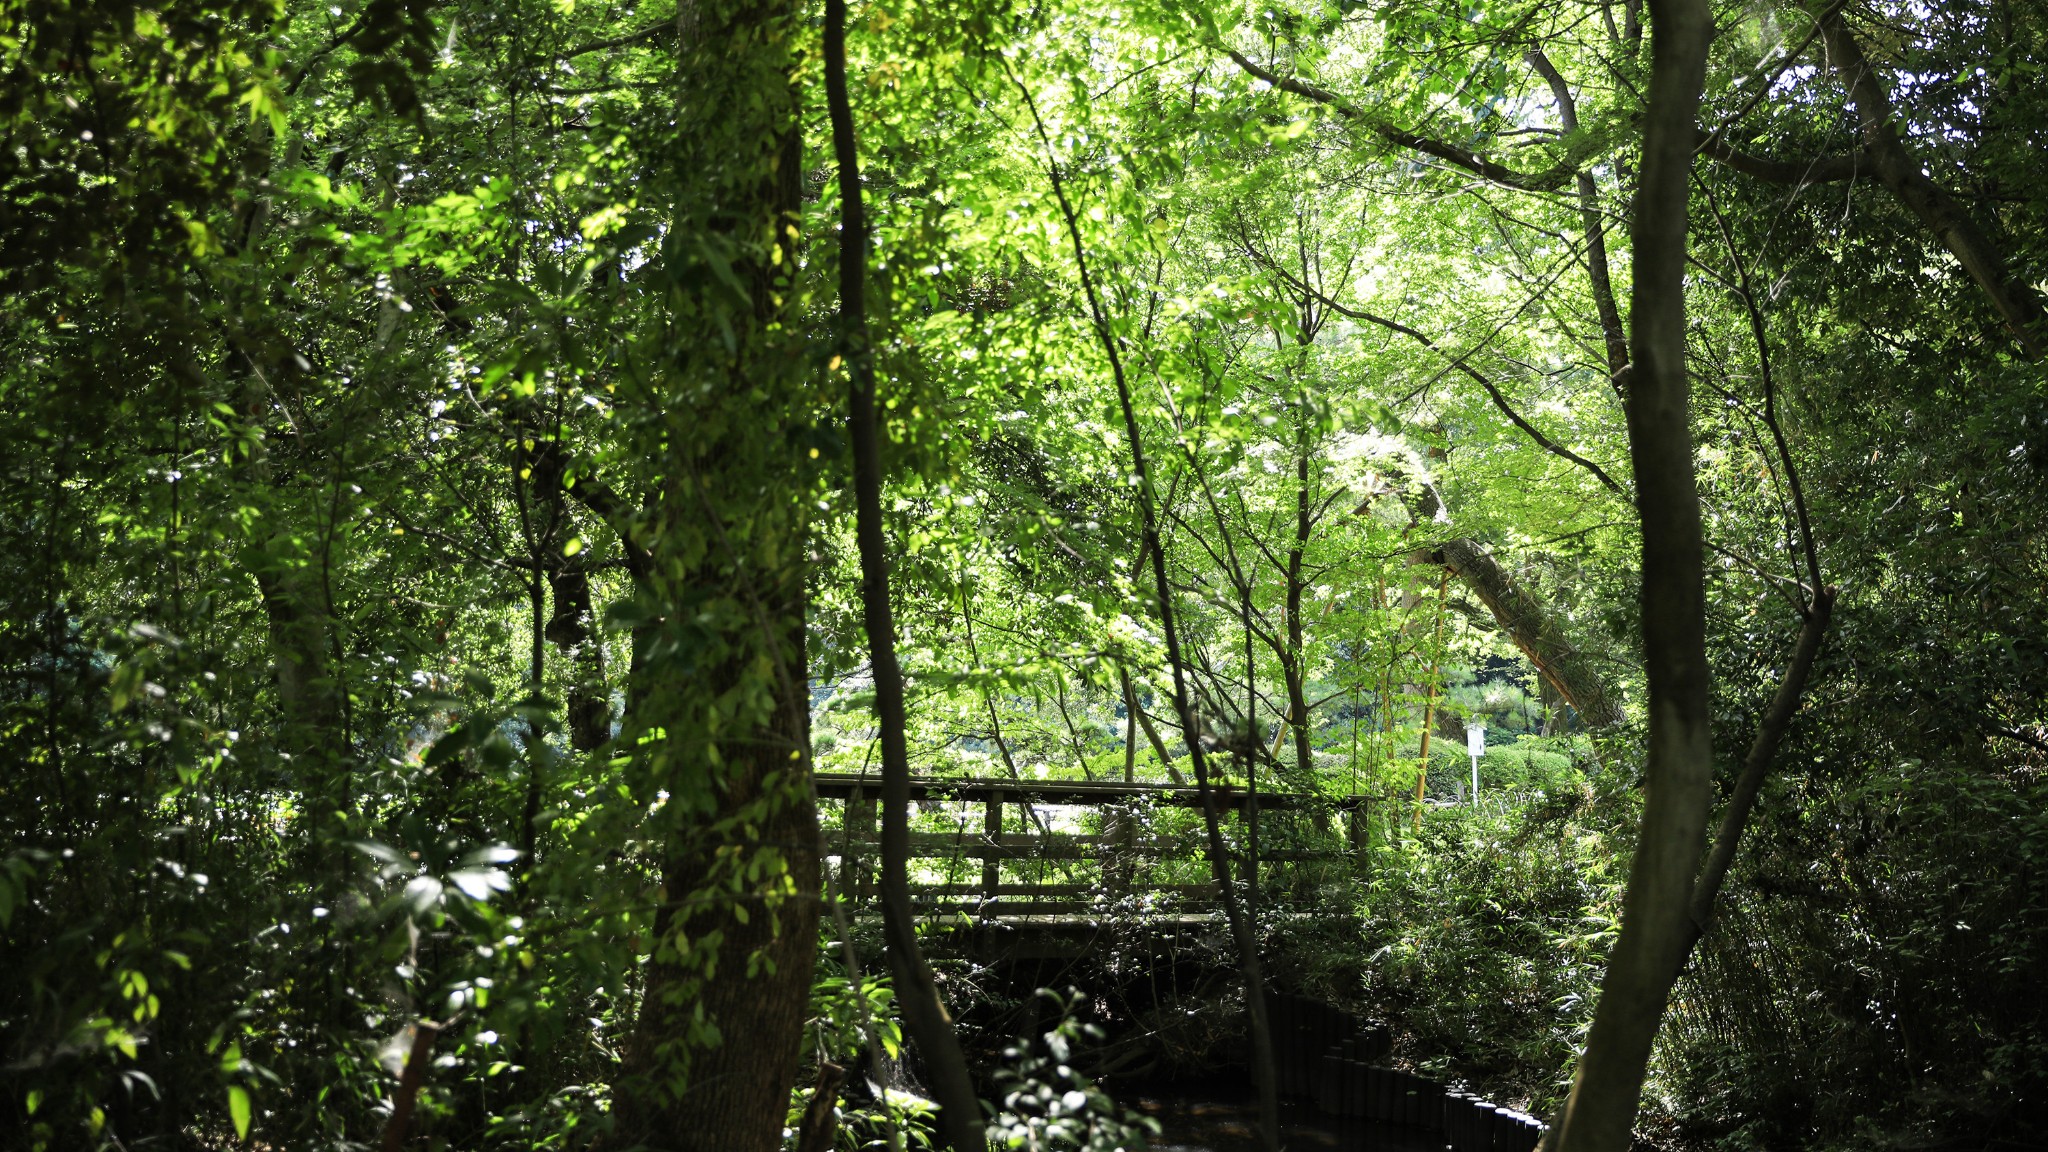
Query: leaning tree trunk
x,y
1523,616
1656,924
1533,629
718,712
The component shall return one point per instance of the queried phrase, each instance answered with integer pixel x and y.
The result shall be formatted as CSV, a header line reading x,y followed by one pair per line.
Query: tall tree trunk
x,y
571,625
570,628
718,705
290,564
1599,1115
924,1011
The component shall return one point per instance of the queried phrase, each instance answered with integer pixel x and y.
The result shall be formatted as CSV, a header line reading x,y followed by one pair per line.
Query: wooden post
x,y
855,879
992,835
1120,860
1251,828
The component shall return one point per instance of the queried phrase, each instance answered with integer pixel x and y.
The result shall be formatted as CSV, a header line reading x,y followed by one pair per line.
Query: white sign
x,y
1475,745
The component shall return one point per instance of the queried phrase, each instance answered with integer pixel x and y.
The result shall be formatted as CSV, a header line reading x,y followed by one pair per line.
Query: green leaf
x,y
496,750
448,746
238,1110
479,883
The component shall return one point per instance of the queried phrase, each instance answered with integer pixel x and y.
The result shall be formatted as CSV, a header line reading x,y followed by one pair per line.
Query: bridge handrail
x,y
843,785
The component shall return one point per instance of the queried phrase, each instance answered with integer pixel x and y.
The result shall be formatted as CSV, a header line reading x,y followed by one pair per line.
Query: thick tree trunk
x,y
718,705
715,1051
290,566
1656,922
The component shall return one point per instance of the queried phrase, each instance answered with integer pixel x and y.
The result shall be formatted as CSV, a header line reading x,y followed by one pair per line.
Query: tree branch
x,y
1903,175
1493,392
1473,162
1757,765
1613,336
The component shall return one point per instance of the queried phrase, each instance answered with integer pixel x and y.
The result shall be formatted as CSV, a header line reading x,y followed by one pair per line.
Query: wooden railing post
x,y
1121,855
856,880
992,833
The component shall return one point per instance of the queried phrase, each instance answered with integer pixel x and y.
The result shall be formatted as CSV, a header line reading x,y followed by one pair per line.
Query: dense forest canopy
x,y
472,469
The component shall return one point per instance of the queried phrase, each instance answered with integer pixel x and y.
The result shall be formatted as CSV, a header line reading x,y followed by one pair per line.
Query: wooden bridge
x,y
1070,854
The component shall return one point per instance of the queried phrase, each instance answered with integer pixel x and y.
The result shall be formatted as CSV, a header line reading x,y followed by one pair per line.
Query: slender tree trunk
x,y
1294,669
924,1012
1613,337
1436,660
1150,730
1599,1114
1757,765
571,625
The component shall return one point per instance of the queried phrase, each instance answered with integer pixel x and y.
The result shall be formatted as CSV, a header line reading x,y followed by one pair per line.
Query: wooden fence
x,y
1004,857
1327,1056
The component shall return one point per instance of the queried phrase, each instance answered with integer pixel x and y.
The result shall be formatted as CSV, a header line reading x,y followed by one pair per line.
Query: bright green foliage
x,y
423,520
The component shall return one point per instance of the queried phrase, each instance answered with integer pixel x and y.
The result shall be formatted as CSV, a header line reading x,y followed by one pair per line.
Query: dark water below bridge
x,y
1212,1118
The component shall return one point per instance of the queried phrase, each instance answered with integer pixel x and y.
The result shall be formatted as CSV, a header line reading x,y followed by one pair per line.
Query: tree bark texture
x,y
718,705
1599,1114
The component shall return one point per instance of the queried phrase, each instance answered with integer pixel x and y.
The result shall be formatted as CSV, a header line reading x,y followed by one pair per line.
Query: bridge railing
x,y
1020,848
